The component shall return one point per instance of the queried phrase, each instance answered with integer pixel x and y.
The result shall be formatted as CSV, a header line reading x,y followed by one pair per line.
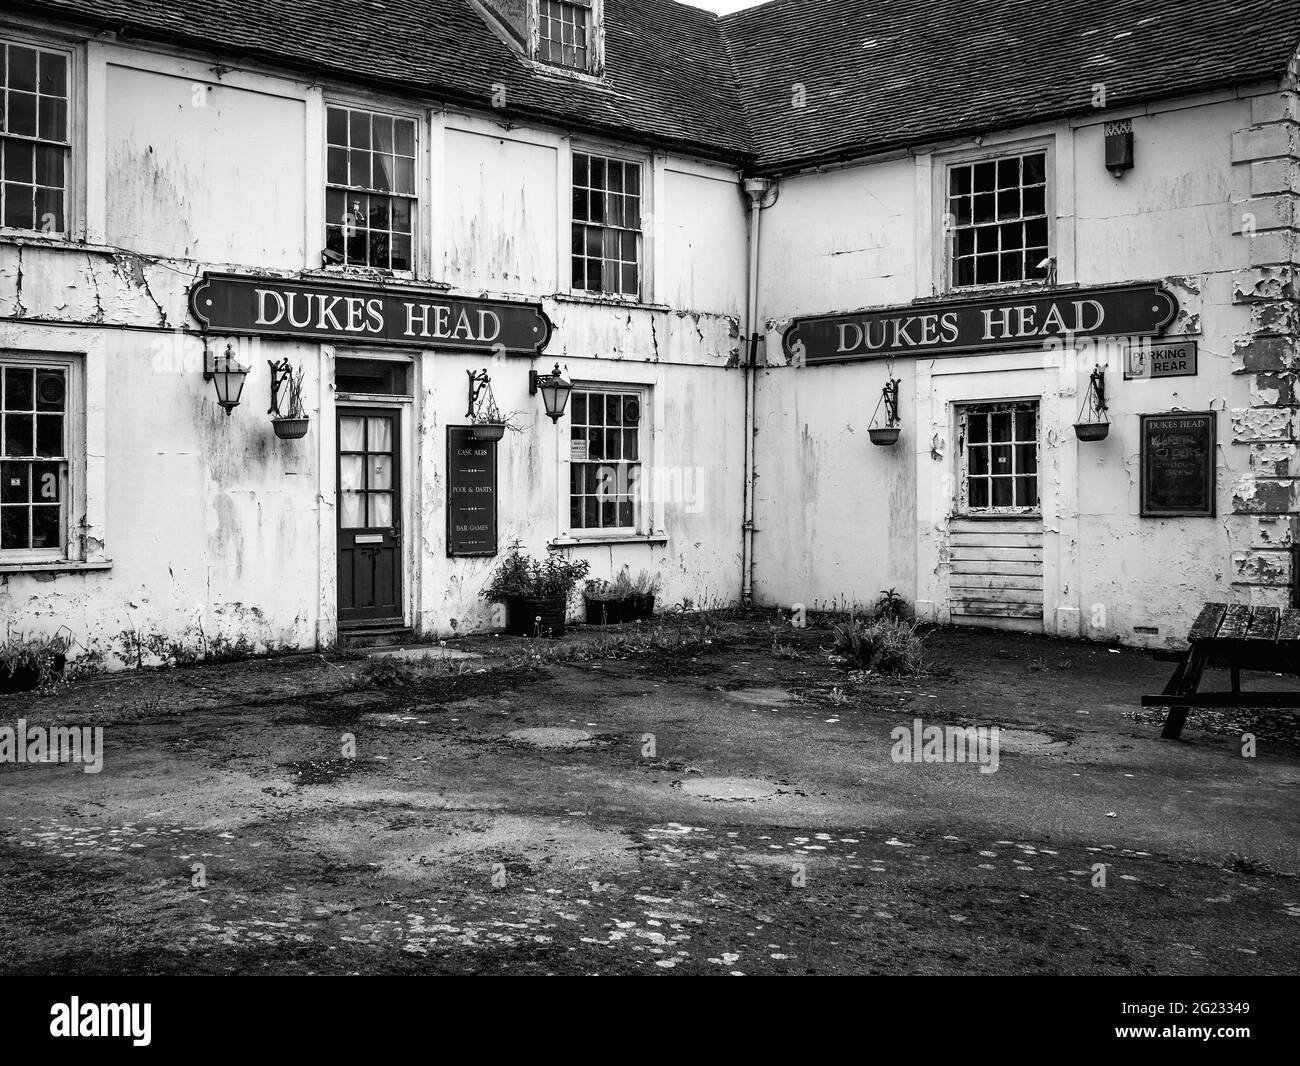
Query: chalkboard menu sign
x,y
1178,465
471,494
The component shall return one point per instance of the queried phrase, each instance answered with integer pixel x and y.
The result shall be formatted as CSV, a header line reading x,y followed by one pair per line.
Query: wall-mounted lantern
x,y
1119,147
554,389
1094,422
887,435
226,374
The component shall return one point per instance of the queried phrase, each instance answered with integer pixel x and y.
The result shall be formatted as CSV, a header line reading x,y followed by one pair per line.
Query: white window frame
x,y
75,445
961,416
648,176
419,200
594,66
944,246
642,503
73,195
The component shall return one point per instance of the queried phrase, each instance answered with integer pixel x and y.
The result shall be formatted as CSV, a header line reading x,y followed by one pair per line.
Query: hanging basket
x,y
885,437
291,428
489,430
1092,430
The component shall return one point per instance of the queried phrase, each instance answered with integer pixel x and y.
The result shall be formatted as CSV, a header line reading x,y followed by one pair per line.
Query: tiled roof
x,y
887,74
668,77
877,74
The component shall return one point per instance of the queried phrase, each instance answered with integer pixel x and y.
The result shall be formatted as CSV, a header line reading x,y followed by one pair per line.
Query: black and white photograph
x,y
648,488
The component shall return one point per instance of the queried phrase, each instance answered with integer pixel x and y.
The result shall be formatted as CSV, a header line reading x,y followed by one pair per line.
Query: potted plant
x,y
28,663
486,421
1094,423
610,603
535,592
603,602
291,421
887,435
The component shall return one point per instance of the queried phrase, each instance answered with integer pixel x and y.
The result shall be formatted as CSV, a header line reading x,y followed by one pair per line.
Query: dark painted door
x,y
369,516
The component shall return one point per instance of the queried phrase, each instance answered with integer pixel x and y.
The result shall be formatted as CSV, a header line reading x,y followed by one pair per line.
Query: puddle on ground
x,y
553,738
1029,742
765,697
730,789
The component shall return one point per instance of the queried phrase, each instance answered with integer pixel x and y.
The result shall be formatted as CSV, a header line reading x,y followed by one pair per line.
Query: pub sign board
x,y
1024,320
1178,471
471,494
356,313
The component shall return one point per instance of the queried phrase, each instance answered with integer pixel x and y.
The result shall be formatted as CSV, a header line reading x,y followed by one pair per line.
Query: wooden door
x,y
369,515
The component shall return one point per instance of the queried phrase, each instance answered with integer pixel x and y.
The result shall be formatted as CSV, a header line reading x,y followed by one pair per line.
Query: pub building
x,y
1001,315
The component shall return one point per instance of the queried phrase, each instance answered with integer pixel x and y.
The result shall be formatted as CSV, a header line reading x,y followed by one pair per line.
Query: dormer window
x,y
563,30
565,36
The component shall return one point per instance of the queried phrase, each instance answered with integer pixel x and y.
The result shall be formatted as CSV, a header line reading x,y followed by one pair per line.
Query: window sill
x,y
569,541
607,301
55,566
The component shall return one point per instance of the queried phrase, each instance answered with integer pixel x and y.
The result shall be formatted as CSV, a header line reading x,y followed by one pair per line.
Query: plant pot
x,y
489,431
28,676
536,616
1091,430
291,428
643,608
605,612
885,437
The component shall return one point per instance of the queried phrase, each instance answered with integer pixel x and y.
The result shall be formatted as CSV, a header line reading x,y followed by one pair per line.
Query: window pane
x,y
49,435
381,435
336,126
1001,459
1027,425
45,527
21,116
337,166
351,434
978,495
1002,492
18,435
1001,423
979,427
351,473
352,510
381,472
1026,458
1027,492
19,211
381,510
13,527
979,460
580,408
631,445
20,161
15,482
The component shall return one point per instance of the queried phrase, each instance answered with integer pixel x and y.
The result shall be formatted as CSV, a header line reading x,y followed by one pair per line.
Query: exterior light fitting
x,y
1119,147
554,389
227,375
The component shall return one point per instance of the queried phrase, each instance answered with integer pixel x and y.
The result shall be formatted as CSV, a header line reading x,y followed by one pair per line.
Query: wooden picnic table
x,y
1238,637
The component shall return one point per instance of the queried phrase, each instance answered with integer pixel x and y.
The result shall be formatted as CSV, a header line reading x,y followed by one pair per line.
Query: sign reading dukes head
x,y
1018,321
356,314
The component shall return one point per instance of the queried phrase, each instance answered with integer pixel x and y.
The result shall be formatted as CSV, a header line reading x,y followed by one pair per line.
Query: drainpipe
x,y
756,189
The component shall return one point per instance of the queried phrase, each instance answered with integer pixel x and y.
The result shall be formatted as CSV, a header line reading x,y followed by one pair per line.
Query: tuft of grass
x,y
882,646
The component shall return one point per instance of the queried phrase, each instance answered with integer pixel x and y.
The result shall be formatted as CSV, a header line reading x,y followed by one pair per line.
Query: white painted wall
x,y
847,520
206,532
